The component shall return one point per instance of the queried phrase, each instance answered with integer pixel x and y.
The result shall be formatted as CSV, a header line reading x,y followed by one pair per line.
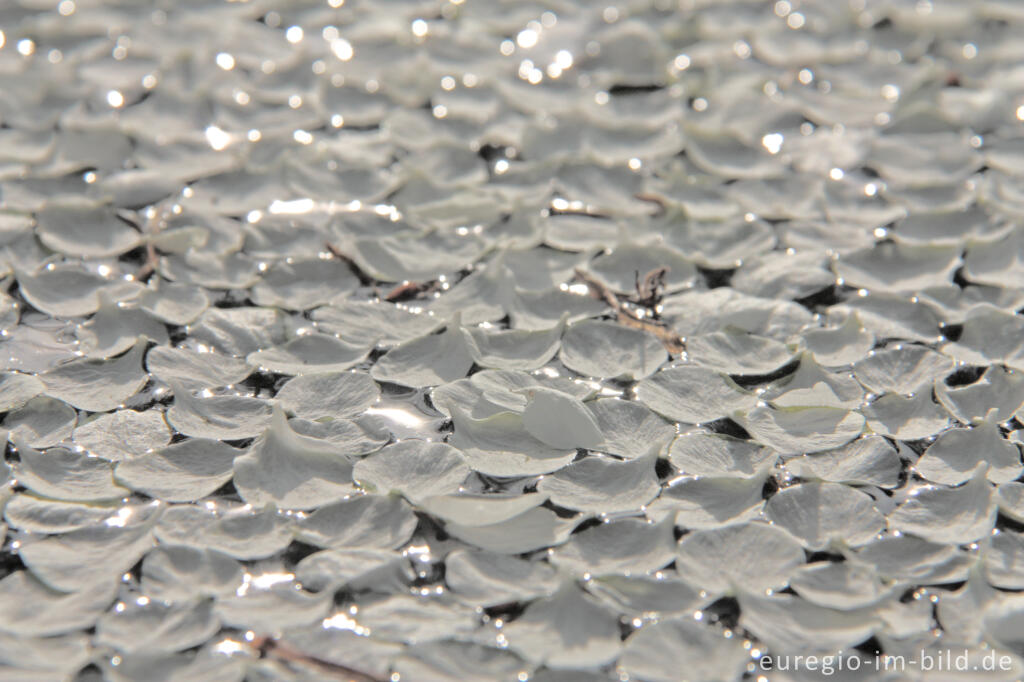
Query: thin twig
x,y
149,265
408,290
672,342
352,265
598,290
648,291
153,226
272,647
653,199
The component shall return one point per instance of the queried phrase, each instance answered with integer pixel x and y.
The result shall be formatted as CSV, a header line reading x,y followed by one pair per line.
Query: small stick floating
x,y
271,647
673,342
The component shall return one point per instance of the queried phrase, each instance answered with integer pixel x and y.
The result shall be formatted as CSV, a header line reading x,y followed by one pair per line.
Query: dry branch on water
x,y
649,291
271,647
409,290
673,342
154,224
401,292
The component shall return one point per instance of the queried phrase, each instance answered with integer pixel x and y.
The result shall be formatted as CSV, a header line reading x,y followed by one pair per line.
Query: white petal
x,y
83,557
416,469
290,470
364,521
732,351
98,385
182,472
501,446
958,515
330,395
797,430
715,560
609,350
823,514
566,630
309,354
659,652
33,609
865,461
603,486
487,579
122,434
65,475
955,453
428,360
559,420
196,371
791,625
693,394
628,546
